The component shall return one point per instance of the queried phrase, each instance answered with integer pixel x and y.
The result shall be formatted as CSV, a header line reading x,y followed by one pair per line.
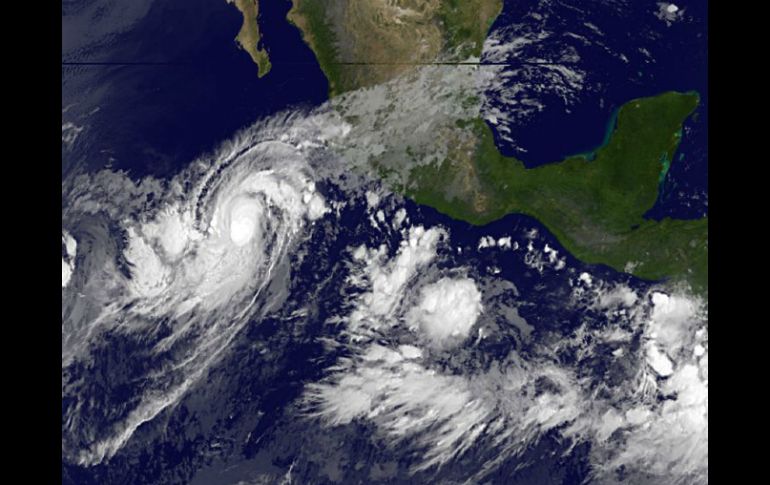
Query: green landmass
x,y
594,207
466,24
593,203
310,18
249,37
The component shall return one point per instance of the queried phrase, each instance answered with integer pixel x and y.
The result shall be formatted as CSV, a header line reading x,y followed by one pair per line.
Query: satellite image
x,y
384,242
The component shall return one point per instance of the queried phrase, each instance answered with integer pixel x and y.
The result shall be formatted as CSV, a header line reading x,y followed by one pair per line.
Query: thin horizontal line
x,y
126,64
518,63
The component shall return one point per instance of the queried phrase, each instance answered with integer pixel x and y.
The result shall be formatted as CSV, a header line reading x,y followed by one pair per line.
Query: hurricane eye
x,y
243,220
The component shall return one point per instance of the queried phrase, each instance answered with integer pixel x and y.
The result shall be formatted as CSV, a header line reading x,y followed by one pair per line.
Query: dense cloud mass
x,y
447,309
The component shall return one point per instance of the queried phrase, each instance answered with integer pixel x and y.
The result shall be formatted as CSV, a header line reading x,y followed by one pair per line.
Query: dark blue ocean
x,y
176,85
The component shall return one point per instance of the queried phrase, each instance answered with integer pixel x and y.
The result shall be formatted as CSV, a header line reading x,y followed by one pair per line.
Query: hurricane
x,y
185,277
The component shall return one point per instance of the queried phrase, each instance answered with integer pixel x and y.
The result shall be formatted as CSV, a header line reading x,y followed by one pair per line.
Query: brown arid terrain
x,y
249,37
360,43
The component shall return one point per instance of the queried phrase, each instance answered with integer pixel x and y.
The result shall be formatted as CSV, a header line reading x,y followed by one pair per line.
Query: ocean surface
x,y
176,85
630,52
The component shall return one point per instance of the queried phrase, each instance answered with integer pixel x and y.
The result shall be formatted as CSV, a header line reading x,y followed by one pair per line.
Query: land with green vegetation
x,y
250,38
593,203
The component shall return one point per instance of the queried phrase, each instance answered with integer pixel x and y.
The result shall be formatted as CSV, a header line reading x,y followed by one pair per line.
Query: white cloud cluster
x,y
620,295
372,199
66,273
447,414
69,133
388,278
404,398
502,242
669,12
629,426
399,218
447,309
664,441
540,259
180,260
486,242
68,261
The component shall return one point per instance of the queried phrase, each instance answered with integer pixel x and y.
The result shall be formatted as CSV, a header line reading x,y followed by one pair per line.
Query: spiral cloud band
x,y
192,273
